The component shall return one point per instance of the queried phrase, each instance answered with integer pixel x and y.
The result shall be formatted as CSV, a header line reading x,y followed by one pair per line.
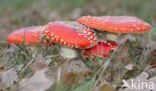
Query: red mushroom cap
x,y
116,24
27,35
102,49
71,34
112,44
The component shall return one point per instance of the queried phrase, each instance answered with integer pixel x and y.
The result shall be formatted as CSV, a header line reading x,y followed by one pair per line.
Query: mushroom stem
x,y
68,53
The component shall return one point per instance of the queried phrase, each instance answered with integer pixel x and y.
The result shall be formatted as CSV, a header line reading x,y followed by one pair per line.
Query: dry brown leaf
x,y
151,72
73,69
75,66
38,82
123,57
105,87
153,59
68,78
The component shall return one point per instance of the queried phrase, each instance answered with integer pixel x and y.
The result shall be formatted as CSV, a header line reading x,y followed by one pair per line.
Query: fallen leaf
x,y
151,72
152,59
75,66
9,77
105,87
129,66
73,69
68,78
38,82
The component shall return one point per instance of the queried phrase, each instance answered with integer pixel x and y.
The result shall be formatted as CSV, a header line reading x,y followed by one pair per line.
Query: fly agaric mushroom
x,y
102,49
112,44
116,24
27,35
70,34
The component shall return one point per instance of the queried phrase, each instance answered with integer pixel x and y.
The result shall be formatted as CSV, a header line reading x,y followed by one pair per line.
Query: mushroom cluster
x,y
80,34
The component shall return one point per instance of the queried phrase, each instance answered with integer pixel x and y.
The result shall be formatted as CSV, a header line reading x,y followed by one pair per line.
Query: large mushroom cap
x,y
27,35
116,24
102,49
71,34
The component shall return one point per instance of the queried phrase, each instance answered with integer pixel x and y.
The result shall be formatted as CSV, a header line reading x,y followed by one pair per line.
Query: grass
x,y
26,55
20,13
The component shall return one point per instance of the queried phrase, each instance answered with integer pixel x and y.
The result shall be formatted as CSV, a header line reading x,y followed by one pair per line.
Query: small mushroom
x,y
116,24
27,35
102,49
112,44
70,34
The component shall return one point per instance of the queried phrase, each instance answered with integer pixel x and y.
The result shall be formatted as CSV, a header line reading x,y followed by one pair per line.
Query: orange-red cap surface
x,y
102,49
71,34
116,24
27,35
